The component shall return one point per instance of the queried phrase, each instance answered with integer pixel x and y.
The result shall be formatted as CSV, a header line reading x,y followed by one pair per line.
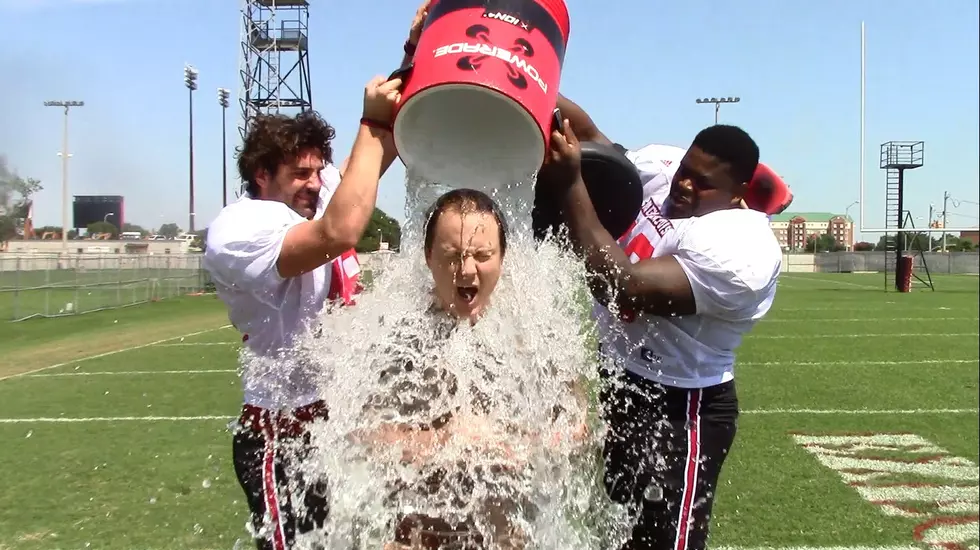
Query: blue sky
x,y
635,65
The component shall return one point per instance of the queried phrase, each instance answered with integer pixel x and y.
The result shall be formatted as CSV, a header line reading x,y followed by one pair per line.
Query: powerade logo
x,y
515,57
486,50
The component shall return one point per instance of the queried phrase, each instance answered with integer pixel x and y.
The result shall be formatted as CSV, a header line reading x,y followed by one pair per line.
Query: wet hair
x,y
733,145
273,140
464,201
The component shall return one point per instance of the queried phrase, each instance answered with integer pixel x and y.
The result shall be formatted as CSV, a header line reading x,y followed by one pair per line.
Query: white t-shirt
x,y
731,259
243,246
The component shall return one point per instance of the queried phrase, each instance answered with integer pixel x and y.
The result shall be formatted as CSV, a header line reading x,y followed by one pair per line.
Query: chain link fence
x,y
39,285
959,263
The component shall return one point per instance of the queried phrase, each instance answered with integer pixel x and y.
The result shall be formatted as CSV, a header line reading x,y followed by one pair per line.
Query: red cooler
x,y
477,105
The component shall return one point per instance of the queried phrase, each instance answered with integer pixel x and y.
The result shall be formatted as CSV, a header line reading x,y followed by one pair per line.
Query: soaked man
x,y
674,296
276,257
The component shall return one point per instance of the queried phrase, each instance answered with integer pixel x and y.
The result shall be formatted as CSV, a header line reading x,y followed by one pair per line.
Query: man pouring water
x,y
277,257
692,274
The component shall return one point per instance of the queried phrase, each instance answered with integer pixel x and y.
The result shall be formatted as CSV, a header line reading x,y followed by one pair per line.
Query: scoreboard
x,y
88,209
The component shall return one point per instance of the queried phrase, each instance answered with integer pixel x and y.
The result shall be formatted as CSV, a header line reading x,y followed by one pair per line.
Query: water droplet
x,y
653,493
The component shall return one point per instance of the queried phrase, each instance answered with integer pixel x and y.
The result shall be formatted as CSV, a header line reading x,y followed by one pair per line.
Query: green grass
x,y
833,346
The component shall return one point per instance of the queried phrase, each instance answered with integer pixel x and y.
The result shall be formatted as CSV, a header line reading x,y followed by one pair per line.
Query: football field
x,y
859,424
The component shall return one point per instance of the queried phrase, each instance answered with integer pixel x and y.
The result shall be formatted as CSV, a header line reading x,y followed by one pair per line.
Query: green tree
x,y
883,243
381,226
200,239
102,227
40,231
133,228
169,230
15,198
863,247
822,243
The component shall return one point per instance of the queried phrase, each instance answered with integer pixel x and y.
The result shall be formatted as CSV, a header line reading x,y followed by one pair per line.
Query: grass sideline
x,y
131,449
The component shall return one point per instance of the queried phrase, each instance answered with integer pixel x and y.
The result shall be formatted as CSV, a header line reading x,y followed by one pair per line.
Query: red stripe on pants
x,y
269,485
690,468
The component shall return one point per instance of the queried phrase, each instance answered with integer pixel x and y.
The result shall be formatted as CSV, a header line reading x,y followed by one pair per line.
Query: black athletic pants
x,y
267,449
663,455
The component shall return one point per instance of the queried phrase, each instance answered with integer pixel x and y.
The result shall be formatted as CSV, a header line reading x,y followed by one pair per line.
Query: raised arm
x,y
581,122
656,286
311,244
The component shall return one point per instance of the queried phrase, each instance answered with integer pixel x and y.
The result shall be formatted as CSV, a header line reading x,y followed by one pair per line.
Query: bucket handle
x,y
403,72
557,122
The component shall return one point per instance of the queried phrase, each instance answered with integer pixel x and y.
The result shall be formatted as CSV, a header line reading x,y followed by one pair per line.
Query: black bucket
x,y
613,184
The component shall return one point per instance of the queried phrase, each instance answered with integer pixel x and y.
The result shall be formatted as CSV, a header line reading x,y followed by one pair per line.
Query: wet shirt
x,y
243,247
416,386
731,259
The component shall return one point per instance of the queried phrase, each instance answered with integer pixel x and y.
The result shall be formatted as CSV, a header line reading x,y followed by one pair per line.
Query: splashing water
x,y
510,466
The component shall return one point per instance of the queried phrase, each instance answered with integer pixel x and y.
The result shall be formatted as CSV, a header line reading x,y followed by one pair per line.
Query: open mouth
x,y
466,293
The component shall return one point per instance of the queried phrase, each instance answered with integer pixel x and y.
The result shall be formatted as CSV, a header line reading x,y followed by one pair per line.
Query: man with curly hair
x,y
277,257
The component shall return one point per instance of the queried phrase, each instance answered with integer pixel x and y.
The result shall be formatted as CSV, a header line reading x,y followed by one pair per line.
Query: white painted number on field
x,y
906,475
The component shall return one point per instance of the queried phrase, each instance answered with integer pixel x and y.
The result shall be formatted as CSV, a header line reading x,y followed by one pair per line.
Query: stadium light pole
x,y
66,105
223,94
847,216
717,101
190,80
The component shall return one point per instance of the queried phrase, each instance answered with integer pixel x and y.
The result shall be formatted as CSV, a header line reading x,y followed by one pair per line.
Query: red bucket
x,y
768,192
477,105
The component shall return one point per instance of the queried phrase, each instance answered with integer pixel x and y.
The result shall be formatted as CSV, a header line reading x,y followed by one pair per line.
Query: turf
x,y
147,465
25,294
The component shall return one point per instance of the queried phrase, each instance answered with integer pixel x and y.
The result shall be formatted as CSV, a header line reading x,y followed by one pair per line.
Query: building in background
x,y
972,236
792,229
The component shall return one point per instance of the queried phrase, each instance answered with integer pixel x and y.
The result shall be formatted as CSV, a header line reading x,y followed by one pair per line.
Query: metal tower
x,y
275,67
896,157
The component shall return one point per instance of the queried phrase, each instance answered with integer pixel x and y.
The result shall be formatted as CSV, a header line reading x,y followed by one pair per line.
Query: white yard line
x,y
889,307
855,363
796,277
184,344
740,364
127,373
68,420
861,335
791,277
909,547
861,411
867,319
750,337
113,352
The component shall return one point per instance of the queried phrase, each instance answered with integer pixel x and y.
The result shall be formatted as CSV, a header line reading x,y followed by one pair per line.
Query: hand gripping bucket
x,y
477,104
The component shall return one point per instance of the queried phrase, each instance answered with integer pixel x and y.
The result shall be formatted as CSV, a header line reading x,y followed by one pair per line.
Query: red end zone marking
x,y
906,486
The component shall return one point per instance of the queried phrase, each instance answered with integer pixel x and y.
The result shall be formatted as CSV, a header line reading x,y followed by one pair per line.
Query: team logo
x,y
520,48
